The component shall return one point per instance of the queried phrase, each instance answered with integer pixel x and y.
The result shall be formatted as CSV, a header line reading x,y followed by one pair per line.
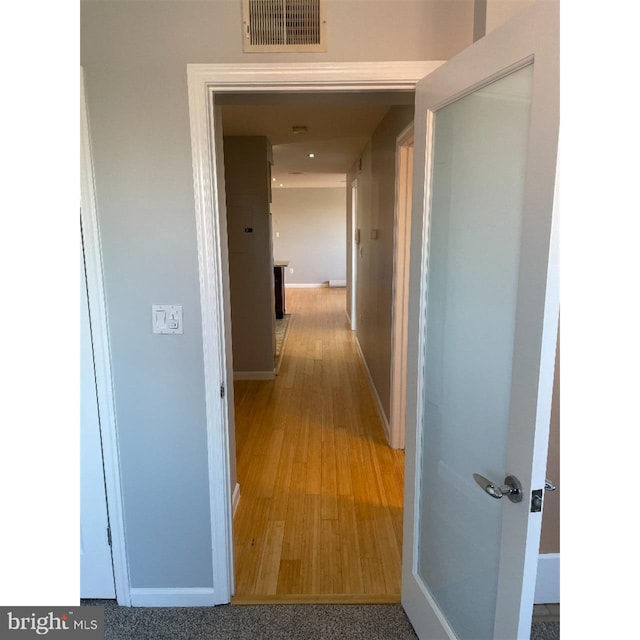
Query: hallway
x,y
320,514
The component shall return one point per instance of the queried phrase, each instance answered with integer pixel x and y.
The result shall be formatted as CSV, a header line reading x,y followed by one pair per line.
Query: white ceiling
x,y
337,133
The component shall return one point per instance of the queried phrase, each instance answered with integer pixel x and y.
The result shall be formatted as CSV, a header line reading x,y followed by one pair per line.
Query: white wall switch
x,y
166,318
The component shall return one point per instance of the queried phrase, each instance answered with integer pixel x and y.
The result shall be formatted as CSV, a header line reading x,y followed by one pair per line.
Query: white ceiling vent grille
x,y
284,25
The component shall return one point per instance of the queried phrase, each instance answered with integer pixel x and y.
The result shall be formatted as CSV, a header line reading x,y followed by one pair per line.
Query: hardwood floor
x,y
320,514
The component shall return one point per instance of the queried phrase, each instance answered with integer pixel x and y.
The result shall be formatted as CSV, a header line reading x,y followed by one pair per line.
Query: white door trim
x,y
548,579
401,244
308,76
102,357
171,597
204,81
355,247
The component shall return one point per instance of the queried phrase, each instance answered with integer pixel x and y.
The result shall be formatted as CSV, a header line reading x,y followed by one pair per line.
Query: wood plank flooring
x,y
320,514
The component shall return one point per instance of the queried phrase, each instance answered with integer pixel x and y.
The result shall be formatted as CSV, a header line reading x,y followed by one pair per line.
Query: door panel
x,y
484,327
478,182
96,570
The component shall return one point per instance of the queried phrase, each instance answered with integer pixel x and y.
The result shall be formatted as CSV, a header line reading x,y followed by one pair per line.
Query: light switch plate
x,y
166,318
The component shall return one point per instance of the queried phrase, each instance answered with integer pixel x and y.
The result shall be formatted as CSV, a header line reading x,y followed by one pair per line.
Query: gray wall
x,y
312,233
247,175
375,212
134,56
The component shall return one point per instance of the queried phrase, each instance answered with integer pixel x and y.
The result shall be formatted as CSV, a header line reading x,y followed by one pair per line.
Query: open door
x,y
96,568
482,333
104,569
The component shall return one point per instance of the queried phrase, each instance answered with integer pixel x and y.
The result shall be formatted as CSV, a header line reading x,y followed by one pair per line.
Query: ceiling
x,y
338,128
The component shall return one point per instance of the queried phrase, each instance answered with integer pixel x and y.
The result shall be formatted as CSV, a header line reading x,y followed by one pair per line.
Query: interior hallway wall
x,y
247,161
376,210
309,231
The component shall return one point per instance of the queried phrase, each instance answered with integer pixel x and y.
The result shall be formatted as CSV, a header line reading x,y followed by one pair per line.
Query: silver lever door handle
x,y
511,487
549,486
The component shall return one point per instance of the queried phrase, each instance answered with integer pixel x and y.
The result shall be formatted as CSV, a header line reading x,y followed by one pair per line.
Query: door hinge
x,y
109,535
222,391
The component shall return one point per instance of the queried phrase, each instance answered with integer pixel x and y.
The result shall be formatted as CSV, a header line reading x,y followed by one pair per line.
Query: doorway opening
x,y
320,518
206,83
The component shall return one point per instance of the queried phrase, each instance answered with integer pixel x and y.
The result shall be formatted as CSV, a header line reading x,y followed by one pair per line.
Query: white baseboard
x,y
254,375
339,284
173,597
383,417
307,285
235,498
548,580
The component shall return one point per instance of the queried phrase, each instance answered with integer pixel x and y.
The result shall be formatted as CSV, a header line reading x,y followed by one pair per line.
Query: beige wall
x,y
309,232
211,30
246,174
500,11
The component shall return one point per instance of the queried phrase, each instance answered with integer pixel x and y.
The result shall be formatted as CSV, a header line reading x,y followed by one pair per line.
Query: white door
x,y
483,322
96,570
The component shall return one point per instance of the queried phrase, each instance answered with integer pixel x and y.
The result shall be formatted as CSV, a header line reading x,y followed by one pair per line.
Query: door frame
x,y
204,81
401,246
102,357
355,246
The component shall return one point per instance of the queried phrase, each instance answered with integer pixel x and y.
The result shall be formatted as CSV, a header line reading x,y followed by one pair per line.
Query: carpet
x,y
269,622
545,630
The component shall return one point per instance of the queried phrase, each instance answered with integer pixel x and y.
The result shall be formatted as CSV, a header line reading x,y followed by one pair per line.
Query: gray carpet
x,y
269,622
545,630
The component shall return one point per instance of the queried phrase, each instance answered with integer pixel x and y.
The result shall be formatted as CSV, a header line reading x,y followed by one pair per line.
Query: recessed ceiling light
x,y
312,155
273,179
281,184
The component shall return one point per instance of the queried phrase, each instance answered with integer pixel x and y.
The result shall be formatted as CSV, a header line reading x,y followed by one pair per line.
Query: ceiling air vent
x,y
284,25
